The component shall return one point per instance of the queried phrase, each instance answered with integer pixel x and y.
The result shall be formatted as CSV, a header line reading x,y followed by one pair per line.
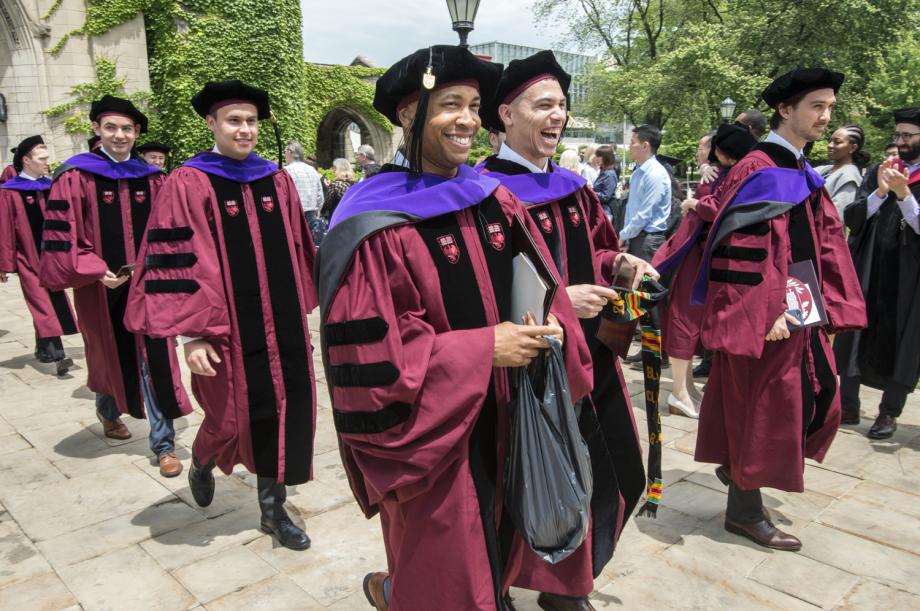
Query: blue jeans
x,y
162,432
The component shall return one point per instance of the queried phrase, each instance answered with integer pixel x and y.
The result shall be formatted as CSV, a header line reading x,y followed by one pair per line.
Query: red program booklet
x,y
804,300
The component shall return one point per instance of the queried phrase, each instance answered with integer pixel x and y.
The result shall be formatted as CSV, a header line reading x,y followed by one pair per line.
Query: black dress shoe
x,y
847,418
287,533
63,366
884,427
724,474
702,370
763,533
44,356
201,482
557,602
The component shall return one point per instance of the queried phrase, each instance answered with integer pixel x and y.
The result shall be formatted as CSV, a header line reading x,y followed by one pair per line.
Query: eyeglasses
x,y
905,135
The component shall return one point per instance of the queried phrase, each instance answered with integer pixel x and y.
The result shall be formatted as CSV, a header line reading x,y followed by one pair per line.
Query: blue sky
x,y
384,31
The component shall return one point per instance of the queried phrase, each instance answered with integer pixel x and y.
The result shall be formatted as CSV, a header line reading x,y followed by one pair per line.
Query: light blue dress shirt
x,y
649,203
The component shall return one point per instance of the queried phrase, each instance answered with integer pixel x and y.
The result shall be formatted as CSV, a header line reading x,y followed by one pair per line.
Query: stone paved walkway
x,y
86,522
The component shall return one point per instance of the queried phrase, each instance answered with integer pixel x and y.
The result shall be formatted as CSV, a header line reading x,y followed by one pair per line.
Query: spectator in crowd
x,y
344,178
847,160
309,187
755,121
569,160
708,171
649,203
588,170
606,184
891,150
365,158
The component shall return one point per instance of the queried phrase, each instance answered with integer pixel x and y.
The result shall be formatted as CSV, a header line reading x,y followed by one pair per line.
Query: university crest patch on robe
x,y
574,216
449,247
546,223
496,235
108,196
140,197
268,204
232,207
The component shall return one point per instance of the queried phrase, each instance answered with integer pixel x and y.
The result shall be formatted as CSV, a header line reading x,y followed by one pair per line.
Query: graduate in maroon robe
x,y
772,396
94,222
155,153
679,259
22,200
8,172
530,109
227,264
414,282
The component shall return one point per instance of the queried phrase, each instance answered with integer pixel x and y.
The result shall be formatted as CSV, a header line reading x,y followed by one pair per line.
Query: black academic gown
x,y
886,253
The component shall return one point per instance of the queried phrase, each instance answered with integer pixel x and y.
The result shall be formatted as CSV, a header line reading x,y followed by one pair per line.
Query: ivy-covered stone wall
x,y
194,41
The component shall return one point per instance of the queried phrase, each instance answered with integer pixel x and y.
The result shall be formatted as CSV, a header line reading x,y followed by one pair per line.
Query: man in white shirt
x,y
309,186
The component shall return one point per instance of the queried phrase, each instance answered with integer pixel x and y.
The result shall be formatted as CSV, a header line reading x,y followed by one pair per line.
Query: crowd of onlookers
x,y
320,192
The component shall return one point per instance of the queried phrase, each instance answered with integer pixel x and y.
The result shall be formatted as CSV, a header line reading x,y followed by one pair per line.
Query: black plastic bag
x,y
548,479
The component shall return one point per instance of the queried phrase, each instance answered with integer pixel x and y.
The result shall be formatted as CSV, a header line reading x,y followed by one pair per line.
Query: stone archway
x,y
332,136
21,75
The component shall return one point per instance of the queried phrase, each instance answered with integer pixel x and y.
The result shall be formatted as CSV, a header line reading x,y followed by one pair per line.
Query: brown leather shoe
x,y
556,602
765,534
114,429
374,590
170,466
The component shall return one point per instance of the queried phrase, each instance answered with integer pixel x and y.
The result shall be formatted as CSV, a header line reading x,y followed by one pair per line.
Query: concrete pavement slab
x,y
97,583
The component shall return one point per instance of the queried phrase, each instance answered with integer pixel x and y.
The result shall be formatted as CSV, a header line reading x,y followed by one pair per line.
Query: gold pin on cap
x,y
428,79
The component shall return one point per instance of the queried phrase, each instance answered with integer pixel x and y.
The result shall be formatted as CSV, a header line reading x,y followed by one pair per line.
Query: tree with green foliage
x,y
670,62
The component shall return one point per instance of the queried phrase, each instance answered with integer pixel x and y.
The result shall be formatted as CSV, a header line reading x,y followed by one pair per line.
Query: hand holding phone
x,y
125,270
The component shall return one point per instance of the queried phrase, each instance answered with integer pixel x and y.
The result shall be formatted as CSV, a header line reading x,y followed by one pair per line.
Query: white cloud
x,y
335,32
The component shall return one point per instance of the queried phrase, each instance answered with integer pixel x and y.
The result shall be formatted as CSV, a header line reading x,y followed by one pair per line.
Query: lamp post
x,y
463,14
727,109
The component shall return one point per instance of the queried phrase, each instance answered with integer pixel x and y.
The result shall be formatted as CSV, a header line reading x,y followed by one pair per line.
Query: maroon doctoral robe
x,y
409,308
680,257
768,405
94,221
584,246
21,220
228,258
7,173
